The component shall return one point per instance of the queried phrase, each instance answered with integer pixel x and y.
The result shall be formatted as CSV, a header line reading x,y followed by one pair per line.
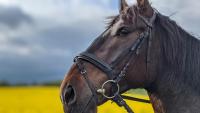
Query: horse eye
x,y
123,31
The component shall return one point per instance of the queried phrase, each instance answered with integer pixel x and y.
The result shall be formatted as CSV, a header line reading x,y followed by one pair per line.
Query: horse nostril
x,y
69,95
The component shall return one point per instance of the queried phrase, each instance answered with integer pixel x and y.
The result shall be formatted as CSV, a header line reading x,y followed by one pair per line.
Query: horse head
x,y
115,62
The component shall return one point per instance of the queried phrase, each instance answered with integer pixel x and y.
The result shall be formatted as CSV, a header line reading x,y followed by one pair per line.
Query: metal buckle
x,y
103,90
83,72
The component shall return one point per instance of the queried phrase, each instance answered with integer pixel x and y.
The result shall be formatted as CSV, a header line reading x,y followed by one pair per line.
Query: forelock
x,y
130,15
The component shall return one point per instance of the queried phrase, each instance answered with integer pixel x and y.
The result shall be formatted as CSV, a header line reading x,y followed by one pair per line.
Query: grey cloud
x,y
18,41
13,16
59,45
50,49
30,69
76,36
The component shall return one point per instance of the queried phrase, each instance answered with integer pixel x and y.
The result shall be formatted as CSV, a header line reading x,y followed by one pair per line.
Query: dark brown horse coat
x,y
171,76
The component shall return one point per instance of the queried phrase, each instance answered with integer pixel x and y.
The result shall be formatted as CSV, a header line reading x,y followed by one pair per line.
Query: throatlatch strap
x,y
120,102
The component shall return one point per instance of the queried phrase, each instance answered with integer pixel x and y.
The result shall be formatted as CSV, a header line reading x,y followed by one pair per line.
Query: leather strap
x,y
100,64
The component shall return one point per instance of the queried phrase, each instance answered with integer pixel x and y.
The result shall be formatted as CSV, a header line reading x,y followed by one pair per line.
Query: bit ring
x,y
103,90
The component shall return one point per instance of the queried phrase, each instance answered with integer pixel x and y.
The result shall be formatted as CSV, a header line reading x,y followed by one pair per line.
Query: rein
x,y
114,78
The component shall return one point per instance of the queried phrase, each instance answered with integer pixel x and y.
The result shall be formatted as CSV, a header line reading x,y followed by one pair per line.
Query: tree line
x,y
50,83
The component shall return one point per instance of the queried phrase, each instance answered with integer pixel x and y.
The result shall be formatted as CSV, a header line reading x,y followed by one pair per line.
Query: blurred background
x,y
39,38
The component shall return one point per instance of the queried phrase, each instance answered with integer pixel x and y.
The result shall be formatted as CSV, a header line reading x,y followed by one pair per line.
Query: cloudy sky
x,y
39,38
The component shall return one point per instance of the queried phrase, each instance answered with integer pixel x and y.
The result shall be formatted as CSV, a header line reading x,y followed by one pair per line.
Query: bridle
x,y
114,78
106,68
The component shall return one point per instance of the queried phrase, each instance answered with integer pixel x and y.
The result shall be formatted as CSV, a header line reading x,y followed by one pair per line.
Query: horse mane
x,y
180,53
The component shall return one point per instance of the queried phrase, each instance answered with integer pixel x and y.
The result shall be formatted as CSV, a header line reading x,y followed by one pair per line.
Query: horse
x,y
141,48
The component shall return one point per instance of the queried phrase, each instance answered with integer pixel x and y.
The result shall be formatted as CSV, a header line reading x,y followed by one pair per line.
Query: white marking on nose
x,y
116,26
106,33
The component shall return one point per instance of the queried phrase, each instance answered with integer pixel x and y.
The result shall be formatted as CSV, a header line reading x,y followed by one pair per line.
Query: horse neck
x,y
169,97
175,88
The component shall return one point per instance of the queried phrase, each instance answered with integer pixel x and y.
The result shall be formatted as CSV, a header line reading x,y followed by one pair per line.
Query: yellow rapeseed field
x,y
46,100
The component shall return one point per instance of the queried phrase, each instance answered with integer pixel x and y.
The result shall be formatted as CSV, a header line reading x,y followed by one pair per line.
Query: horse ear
x,y
143,3
123,5
145,7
